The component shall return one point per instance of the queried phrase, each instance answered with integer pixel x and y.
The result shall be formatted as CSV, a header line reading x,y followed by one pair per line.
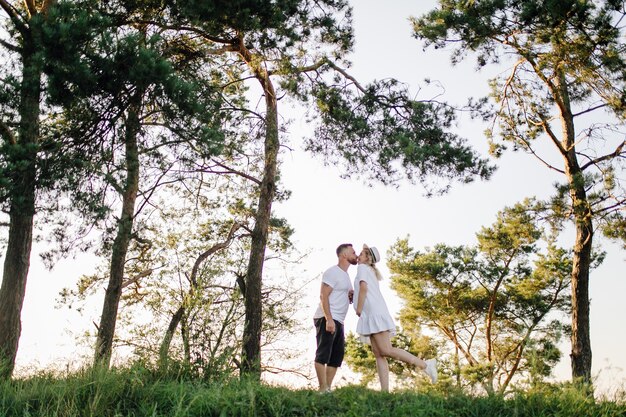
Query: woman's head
x,y
369,255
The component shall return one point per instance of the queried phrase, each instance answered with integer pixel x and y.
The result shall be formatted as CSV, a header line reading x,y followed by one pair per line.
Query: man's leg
x,y
323,352
320,370
330,375
336,357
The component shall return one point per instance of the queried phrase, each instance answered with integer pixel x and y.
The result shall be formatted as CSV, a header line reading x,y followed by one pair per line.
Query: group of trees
x,y
567,85
496,309
149,131
564,95
129,128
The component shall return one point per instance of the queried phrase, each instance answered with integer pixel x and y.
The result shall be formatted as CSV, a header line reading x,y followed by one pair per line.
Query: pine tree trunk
x,y
22,209
583,218
581,340
13,290
108,319
251,354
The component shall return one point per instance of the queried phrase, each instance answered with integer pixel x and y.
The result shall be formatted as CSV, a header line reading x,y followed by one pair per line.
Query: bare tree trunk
x,y
108,319
22,209
251,353
581,262
13,290
251,361
184,331
581,340
164,349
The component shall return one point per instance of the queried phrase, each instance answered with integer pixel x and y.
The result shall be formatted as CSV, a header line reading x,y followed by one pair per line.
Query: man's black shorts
x,y
330,346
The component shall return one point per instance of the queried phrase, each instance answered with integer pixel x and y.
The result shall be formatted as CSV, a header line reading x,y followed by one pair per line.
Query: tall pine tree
x,y
568,68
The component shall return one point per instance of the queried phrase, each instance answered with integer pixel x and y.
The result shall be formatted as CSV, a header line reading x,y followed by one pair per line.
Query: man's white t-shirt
x,y
339,280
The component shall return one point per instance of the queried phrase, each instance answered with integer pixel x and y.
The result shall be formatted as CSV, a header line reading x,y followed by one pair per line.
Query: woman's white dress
x,y
375,317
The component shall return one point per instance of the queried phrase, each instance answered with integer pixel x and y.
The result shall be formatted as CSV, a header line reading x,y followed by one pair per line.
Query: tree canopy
x,y
566,87
496,307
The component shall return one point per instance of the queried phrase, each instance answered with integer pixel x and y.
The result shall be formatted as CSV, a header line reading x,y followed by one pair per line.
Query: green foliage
x,y
360,358
565,86
495,307
37,46
139,391
180,109
277,29
617,229
380,133
166,271
565,83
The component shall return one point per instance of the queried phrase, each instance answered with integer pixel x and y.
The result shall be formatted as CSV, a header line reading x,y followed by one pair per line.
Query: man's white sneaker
x,y
431,370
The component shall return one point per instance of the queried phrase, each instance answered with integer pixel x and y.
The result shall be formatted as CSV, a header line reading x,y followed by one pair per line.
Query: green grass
x,y
136,392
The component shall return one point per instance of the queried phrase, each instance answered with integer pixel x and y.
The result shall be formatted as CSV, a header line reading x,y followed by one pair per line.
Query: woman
x,y
376,325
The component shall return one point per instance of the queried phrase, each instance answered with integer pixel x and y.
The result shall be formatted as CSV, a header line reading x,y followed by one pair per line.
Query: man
x,y
335,298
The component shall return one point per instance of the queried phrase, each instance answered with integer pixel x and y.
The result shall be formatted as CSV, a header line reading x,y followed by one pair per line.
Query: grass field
x,y
137,392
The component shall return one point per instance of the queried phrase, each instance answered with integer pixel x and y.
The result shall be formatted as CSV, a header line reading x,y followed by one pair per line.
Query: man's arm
x,y
324,297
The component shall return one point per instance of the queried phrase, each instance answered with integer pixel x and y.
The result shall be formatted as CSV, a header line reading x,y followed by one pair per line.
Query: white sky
x,y
326,210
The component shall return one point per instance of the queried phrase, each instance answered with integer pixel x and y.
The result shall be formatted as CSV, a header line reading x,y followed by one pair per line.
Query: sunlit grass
x,y
139,392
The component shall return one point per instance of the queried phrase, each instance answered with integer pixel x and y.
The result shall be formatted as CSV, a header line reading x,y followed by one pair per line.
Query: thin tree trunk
x,y
251,361
490,384
13,290
184,331
22,208
581,262
108,319
251,353
164,349
581,340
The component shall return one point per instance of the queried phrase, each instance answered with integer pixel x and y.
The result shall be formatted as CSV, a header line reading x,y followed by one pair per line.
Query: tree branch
x,y
532,151
30,6
7,134
619,205
505,88
345,74
137,277
191,29
15,17
152,189
46,6
553,89
589,110
553,138
312,67
9,46
212,250
617,152
229,170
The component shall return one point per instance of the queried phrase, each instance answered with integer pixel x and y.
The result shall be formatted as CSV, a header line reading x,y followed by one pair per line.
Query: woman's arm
x,y
361,300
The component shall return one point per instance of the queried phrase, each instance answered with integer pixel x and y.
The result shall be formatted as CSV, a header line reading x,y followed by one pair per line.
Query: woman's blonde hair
x,y
371,264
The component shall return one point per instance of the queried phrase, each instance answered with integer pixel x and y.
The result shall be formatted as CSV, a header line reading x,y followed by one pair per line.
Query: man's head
x,y
345,252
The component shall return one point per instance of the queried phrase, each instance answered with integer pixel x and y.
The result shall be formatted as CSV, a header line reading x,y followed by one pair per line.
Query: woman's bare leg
x,y
382,367
383,344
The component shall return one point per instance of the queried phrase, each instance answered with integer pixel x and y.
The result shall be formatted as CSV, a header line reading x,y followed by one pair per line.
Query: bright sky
x,y
326,210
